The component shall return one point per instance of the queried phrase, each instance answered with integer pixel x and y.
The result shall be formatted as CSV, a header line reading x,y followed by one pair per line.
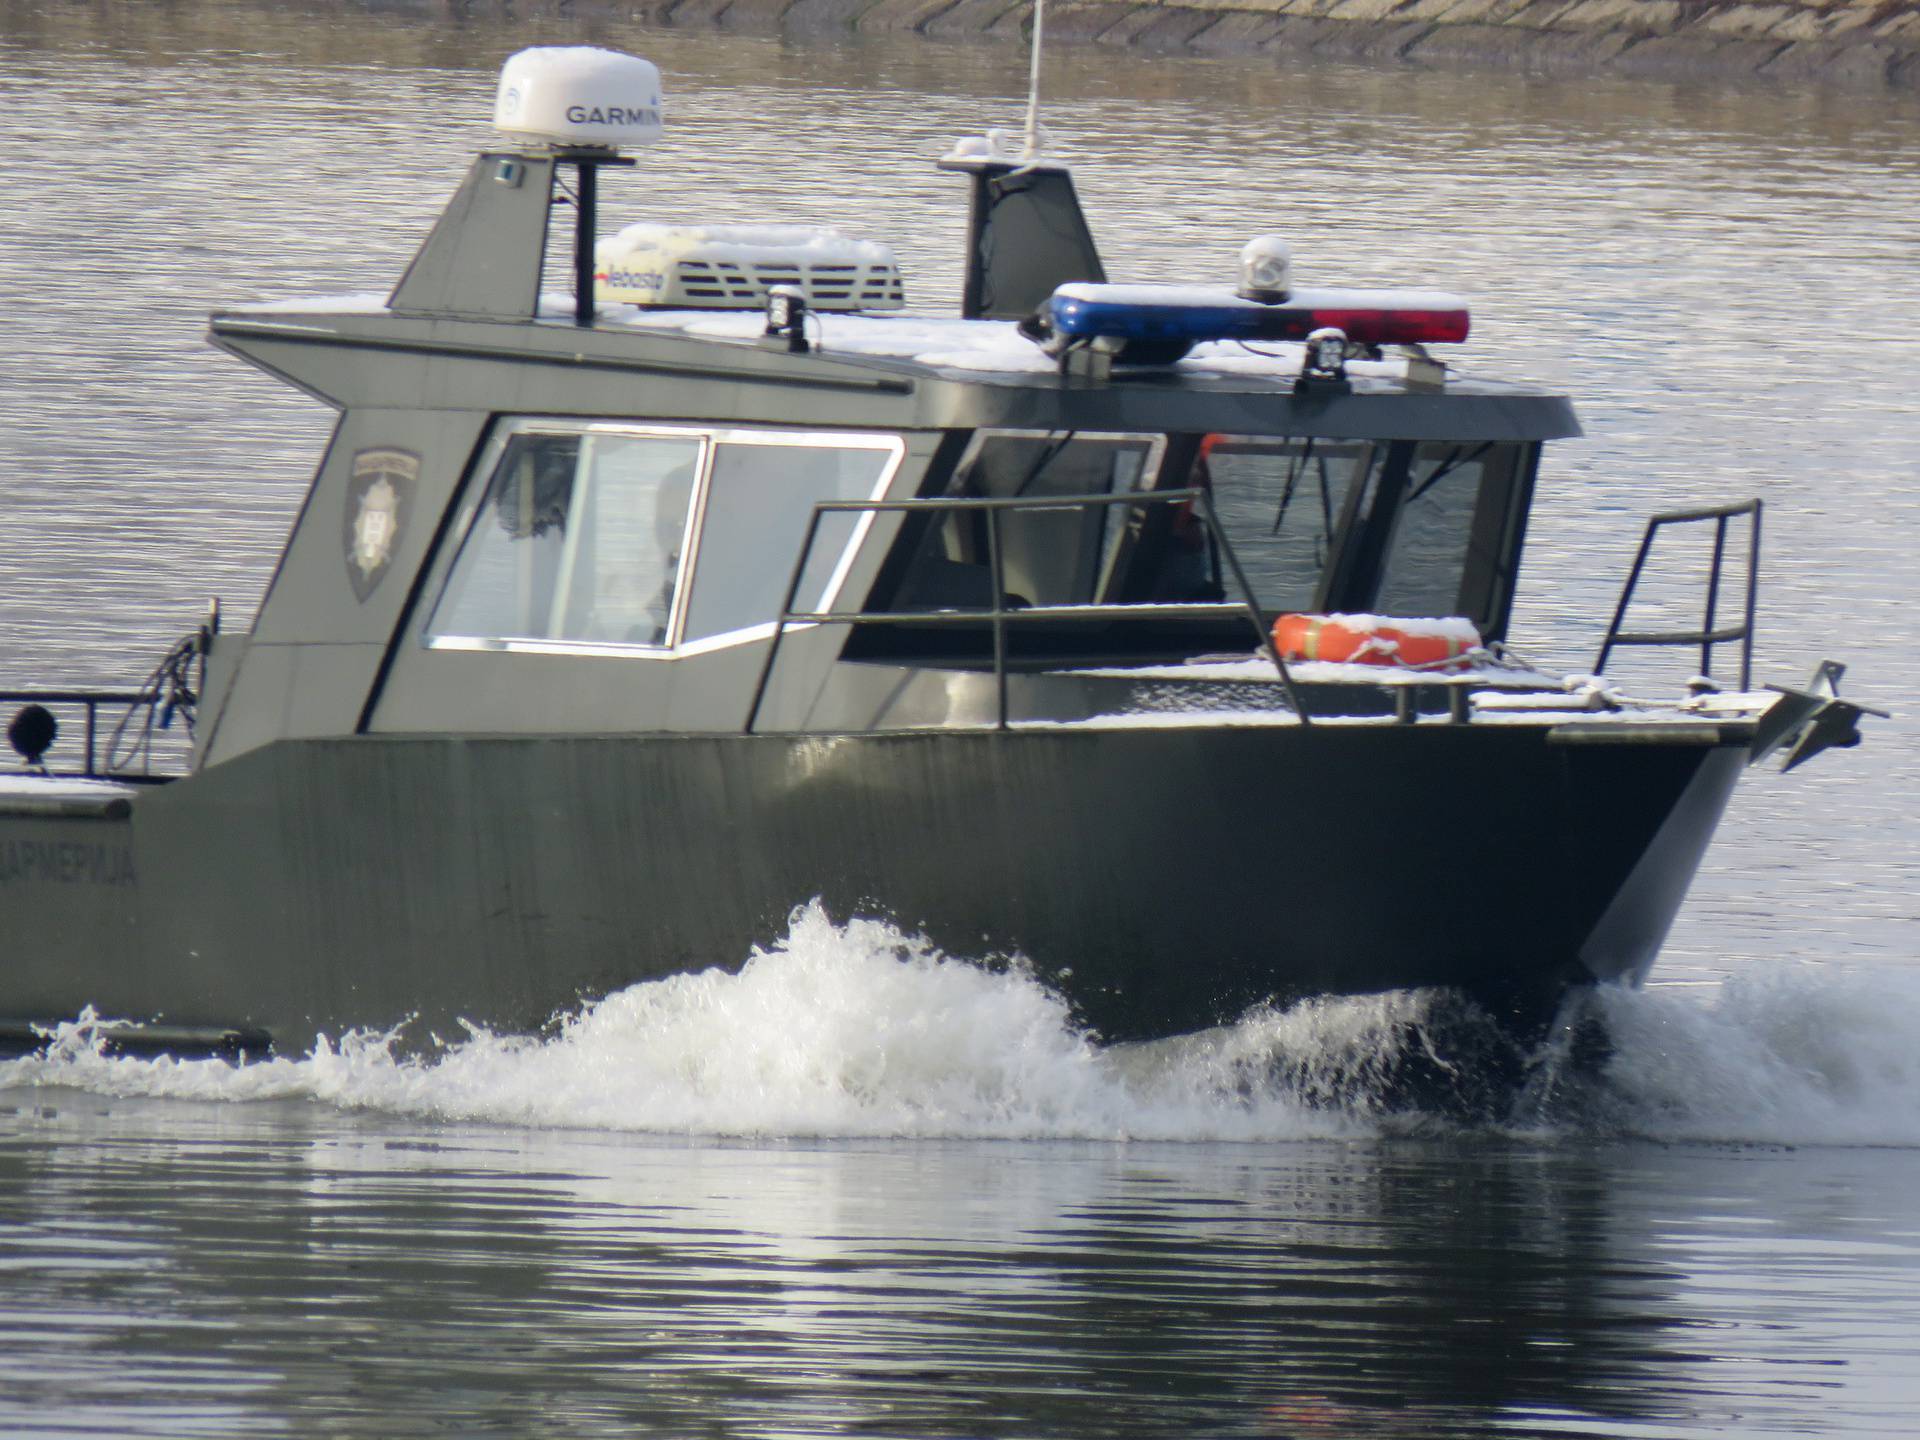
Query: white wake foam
x,y
1782,1053
858,1030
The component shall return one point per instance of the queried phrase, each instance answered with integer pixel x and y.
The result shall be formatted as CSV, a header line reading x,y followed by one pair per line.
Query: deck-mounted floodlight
x,y
787,317
588,104
1326,357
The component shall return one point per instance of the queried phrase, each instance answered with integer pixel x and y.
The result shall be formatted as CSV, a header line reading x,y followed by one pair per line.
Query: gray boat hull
x,y
1163,880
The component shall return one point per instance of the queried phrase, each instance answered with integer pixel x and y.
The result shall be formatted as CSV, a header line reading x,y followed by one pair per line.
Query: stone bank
x,y
1852,42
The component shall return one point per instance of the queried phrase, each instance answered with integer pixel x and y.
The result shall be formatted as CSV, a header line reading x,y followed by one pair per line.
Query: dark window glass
x,y
1280,503
1048,557
1432,552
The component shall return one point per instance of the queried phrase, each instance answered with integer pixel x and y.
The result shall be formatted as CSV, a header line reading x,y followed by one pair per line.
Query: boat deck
x,y
65,796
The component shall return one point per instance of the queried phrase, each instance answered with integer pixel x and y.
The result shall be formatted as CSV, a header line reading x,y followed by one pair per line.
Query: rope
x,y
166,694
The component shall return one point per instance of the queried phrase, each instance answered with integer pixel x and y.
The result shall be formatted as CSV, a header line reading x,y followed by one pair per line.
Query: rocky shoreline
x,y
1859,44
1848,42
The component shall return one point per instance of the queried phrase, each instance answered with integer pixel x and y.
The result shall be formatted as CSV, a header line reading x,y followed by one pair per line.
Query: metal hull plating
x,y
1163,880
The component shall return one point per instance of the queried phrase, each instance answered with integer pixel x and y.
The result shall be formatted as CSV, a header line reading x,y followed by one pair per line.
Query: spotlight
x,y
1326,355
787,315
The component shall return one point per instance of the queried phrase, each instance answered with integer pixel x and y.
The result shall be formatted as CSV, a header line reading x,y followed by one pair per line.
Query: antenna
x,y
582,104
1033,84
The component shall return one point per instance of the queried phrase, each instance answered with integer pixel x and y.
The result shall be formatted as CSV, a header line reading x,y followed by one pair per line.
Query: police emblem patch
x,y
377,501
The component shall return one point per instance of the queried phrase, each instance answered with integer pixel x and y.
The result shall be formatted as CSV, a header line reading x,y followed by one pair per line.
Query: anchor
x,y
1809,720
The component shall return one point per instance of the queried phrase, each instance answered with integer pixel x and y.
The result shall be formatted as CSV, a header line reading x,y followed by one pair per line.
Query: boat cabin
x,y
762,496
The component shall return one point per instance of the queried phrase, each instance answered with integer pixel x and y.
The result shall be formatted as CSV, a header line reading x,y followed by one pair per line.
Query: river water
x,y
863,1189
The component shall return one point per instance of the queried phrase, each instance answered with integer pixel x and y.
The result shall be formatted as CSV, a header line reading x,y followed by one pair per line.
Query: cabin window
x,y
1066,556
1401,527
1449,529
760,497
579,538
606,537
1407,527
1281,503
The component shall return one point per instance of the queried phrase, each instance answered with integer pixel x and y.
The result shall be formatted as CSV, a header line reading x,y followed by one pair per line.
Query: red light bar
x,y
1371,325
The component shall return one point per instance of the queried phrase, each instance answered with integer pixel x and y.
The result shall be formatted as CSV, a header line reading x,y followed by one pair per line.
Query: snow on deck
x,y
1328,672
750,243
60,787
362,303
993,347
941,343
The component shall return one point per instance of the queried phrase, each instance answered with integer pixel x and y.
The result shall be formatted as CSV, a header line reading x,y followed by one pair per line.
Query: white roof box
x,y
579,95
730,267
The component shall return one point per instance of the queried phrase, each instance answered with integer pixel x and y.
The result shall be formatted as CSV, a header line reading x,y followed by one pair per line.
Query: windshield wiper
x,y
1047,456
1447,466
1293,476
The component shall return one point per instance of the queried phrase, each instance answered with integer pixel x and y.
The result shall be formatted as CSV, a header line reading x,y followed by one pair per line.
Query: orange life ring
x,y
1370,640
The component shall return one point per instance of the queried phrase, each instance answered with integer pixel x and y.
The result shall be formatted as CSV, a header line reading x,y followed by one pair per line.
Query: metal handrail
x,y
92,700
998,615
1708,635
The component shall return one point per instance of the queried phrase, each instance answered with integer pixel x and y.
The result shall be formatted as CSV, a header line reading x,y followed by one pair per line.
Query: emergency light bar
x,y
1165,321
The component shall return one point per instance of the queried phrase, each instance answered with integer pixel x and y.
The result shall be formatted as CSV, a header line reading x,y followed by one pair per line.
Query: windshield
x,y
1403,527
1415,528
1280,504
1438,540
1059,556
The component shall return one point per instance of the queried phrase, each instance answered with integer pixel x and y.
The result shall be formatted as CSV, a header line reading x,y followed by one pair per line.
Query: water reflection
x,y
236,1267
350,1262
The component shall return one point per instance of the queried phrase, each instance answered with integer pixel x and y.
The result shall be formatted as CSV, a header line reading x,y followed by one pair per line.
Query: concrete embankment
x,y
1871,42
1858,43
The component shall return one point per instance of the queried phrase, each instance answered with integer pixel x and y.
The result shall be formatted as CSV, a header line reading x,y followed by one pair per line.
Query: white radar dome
x,y
579,95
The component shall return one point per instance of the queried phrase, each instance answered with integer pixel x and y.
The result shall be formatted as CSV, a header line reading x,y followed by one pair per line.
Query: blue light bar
x,y
1162,317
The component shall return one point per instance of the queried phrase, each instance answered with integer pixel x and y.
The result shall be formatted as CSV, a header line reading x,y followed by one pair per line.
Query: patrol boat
x,y
1151,634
